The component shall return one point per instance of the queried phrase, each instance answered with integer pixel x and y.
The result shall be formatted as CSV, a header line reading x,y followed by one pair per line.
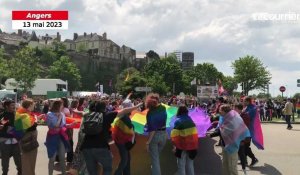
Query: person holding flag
x,y
232,131
255,129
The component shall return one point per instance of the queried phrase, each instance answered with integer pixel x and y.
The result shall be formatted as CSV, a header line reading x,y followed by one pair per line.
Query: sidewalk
x,y
282,121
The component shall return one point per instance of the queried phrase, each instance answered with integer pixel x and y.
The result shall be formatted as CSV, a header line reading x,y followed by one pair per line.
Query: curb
x,y
281,122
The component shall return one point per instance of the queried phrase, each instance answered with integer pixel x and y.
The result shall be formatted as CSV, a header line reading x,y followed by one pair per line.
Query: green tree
x,y
156,82
24,67
297,96
169,69
47,56
3,67
129,79
66,70
152,55
60,49
229,84
263,96
207,73
251,72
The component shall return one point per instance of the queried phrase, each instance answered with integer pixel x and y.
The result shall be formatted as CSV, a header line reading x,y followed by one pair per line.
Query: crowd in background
x,y
20,142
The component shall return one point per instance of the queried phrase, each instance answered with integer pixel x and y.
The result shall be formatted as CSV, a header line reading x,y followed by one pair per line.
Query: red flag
x,y
220,87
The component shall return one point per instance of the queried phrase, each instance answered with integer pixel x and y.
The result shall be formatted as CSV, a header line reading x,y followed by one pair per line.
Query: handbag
x,y
29,142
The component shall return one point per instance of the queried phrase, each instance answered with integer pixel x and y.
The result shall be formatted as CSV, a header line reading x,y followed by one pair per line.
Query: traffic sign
x,y
282,89
143,89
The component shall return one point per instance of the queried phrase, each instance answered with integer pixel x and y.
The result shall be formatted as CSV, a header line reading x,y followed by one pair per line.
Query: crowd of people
x,y
106,120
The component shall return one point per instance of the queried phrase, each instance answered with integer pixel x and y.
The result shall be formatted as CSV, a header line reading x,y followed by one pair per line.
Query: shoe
x,y
253,162
245,172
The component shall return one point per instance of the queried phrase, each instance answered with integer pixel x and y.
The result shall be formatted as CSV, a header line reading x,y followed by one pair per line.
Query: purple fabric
x,y
199,117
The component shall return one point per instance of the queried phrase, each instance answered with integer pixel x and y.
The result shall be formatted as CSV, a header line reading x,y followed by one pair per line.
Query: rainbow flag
x,y
199,117
138,120
184,135
298,107
122,130
70,120
23,120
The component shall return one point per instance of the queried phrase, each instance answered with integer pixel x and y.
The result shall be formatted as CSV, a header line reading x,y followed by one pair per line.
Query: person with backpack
x,y
184,137
96,127
124,138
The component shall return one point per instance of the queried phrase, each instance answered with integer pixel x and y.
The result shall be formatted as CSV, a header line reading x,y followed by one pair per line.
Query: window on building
x,y
93,44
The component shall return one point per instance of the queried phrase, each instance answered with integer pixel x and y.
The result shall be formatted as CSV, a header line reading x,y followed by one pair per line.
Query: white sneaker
x,y
245,172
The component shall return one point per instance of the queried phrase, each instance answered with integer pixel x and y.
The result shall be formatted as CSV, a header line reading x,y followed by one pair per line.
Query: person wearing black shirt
x,y
9,145
96,148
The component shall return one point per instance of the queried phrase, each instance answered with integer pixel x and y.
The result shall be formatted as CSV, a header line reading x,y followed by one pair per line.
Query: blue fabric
x,y
235,147
251,110
52,120
52,143
156,119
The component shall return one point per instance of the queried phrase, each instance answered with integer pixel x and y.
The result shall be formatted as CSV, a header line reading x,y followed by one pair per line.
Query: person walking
x,y
232,132
57,139
95,147
25,123
246,142
184,137
288,112
156,127
252,111
9,146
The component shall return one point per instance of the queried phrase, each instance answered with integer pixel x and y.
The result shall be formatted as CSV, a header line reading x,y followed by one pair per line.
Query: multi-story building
x,y
178,54
43,41
33,41
97,45
140,60
187,60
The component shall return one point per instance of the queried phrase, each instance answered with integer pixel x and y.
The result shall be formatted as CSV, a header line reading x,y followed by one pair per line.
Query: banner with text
x,y
40,20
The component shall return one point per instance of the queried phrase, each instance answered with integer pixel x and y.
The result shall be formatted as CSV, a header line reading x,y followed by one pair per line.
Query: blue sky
x,y
217,31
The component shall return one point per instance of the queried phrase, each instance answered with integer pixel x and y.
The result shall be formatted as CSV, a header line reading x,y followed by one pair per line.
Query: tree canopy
x,y
251,72
24,68
66,70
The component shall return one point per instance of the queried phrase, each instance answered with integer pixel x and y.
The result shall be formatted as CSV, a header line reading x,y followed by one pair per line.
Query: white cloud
x,y
51,4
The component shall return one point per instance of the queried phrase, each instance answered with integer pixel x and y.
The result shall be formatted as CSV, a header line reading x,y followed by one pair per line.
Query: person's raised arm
x,y
128,110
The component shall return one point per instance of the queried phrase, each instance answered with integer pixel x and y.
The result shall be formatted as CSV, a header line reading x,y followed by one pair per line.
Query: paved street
x,y
281,155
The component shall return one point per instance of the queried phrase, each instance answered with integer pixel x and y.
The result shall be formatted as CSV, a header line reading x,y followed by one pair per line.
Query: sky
x,y
217,31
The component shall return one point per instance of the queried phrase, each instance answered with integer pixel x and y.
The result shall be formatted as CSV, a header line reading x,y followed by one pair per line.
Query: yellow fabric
x,y
121,125
184,132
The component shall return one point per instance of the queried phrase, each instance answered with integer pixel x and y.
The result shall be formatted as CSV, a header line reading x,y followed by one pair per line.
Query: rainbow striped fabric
x,y
139,119
200,118
298,107
23,120
122,130
184,135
